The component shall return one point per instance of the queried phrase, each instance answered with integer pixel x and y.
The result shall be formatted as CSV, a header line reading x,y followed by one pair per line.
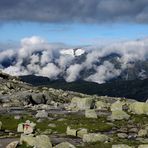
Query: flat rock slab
x,y
4,142
56,139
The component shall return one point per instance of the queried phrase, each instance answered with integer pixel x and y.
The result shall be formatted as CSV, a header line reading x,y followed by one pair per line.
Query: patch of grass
x,y
9,123
75,121
96,145
140,119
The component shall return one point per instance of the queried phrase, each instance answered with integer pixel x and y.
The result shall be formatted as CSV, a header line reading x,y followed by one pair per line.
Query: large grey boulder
x,y
40,141
119,115
64,145
143,146
13,144
93,137
100,105
142,133
121,146
118,105
90,113
81,103
38,98
139,108
28,139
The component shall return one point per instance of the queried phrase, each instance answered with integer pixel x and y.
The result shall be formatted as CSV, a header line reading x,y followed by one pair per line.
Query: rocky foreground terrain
x,y
40,117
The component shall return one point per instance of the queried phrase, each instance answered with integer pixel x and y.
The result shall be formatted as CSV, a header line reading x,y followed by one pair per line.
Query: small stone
x,y
122,135
61,119
42,114
20,128
71,132
47,132
17,117
52,125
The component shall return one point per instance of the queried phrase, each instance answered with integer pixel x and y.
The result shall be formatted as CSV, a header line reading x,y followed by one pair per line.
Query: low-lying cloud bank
x,y
37,56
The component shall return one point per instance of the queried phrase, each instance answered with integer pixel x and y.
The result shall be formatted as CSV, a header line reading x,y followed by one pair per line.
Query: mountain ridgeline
x,y
136,89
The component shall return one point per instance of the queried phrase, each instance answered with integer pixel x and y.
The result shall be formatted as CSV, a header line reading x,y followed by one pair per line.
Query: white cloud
x,y
37,56
73,72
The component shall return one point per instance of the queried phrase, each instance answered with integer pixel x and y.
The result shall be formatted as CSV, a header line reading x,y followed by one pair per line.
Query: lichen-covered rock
x,y
121,146
41,114
122,135
143,146
118,105
81,103
38,98
119,115
93,137
100,105
71,132
41,141
12,144
47,132
28,139
64,145
142,133
139,108
90,113
82,132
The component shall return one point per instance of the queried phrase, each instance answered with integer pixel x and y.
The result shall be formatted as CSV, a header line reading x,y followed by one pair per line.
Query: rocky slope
x,y
45,117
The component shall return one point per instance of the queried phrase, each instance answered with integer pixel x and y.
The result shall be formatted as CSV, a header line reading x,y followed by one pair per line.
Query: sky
x,y
73,22
34,32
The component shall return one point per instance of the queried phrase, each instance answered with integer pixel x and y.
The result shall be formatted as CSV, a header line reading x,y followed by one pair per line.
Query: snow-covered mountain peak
x,y
73,52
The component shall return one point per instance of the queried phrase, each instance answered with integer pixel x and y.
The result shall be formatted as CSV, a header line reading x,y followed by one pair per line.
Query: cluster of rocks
x,y
41,101
29,137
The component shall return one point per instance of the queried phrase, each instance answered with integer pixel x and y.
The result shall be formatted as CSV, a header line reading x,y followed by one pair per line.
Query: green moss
x,y
9,123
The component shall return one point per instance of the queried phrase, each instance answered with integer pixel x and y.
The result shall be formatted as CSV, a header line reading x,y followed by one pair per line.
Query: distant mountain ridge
x,y
135,89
